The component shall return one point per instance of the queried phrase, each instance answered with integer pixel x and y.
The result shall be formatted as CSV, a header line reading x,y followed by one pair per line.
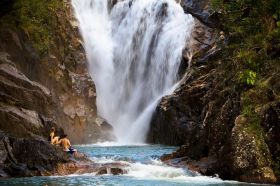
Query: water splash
x,y
134,50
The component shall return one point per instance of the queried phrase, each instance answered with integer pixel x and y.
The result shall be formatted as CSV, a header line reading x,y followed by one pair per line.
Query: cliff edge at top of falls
x,y
225,115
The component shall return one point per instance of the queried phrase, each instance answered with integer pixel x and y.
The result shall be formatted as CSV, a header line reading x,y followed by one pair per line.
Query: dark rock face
x,y
194,114
203,115
29,157
200,10
271,121
21,110
5,6
21,157
110,170
176,119
204,43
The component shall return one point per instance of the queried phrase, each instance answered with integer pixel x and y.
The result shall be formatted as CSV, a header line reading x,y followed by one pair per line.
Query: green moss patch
x,y
37,18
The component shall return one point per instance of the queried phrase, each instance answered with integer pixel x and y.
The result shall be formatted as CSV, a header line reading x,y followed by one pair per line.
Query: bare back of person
x,y
65,143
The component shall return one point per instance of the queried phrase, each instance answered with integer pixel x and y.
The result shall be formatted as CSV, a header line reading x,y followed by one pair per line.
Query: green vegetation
x,y
253,51
254,30
36,18
253,127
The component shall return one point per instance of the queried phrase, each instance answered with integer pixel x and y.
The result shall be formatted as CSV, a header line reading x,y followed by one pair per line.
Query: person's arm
x,y
59,142
69,143
52,135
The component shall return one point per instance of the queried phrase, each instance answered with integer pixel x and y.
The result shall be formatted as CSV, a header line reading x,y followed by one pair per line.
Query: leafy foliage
x,y
253,29
36,18
247,77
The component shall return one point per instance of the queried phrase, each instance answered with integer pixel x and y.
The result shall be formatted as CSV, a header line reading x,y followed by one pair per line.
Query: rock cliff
x,y
44,80
224,126
44,83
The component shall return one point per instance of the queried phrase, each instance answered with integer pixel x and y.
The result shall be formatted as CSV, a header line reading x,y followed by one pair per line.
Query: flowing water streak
x,y
134,52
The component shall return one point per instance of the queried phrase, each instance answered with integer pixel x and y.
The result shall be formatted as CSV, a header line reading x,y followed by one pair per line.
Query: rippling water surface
x,y
144,170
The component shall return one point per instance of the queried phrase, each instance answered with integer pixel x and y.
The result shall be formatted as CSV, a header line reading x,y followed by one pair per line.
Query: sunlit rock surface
x,y
55,85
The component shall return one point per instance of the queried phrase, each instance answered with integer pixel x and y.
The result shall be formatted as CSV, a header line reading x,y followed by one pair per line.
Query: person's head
x,y
52,129
63,136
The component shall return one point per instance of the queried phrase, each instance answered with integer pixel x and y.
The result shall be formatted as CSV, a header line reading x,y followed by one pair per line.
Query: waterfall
x,y
134,50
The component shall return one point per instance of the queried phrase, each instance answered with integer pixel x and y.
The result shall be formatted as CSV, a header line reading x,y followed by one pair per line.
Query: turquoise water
x,y
144,170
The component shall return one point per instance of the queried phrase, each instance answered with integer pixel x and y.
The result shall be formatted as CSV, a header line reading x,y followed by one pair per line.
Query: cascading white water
x,y
134,52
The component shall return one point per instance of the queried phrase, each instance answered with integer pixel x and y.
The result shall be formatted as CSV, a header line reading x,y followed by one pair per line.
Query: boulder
x,y
176,119
29,157
251,160
21,157
201,11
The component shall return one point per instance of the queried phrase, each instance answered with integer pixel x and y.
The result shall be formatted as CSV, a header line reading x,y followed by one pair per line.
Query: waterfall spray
x,y
134,50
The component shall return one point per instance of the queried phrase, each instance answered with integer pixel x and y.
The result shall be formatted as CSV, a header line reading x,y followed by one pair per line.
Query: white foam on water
x,y
157,170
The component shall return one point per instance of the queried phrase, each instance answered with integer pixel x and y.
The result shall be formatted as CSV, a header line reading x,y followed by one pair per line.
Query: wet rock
x,y
200,10
102,171
178,115
204,166
84,165
117,171
114,169
205,43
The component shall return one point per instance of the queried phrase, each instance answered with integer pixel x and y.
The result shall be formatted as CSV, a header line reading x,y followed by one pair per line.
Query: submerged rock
x,y
110,170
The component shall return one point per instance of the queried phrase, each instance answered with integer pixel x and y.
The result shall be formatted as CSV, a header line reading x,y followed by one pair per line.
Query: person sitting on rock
x,y
52,138
66,145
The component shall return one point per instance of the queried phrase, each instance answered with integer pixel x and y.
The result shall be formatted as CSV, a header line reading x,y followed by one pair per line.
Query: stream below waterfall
x,y
145,169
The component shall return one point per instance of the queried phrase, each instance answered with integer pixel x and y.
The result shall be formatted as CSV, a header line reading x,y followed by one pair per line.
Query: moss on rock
x,y
37,18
